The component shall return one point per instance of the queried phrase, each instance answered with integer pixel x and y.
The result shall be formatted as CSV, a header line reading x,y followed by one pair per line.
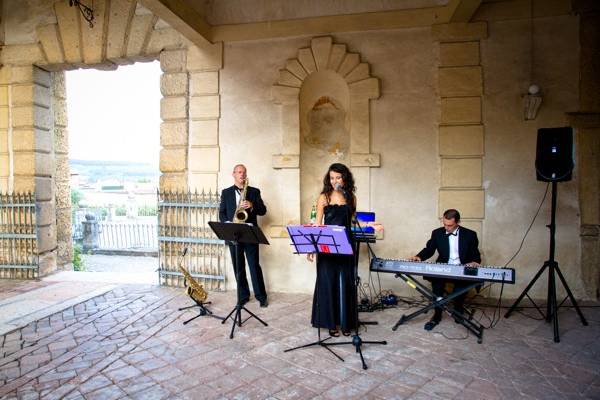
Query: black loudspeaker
x,y
554,154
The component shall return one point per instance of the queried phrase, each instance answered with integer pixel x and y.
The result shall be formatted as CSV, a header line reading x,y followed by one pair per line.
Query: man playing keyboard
x,y
455,245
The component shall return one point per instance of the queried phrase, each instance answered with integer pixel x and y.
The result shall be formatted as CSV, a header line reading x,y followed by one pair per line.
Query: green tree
x,y
76,197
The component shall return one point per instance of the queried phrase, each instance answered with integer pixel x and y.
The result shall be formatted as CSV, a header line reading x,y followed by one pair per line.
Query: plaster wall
x,y
512,191
403,127
404,130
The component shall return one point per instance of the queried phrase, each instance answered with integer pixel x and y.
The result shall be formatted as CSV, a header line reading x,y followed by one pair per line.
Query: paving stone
x,y
128,343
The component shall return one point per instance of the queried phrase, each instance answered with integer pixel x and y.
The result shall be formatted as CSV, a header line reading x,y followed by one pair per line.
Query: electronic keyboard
x,y
441,270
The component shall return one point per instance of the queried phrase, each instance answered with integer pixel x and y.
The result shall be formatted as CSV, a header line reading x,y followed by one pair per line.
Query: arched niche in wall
x,y
324,97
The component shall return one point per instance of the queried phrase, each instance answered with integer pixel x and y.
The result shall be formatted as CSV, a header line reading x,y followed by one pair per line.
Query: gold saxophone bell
x,y
241,215
194,289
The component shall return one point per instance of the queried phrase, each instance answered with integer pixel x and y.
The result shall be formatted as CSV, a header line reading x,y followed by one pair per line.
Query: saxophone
x,y
193,288
241,215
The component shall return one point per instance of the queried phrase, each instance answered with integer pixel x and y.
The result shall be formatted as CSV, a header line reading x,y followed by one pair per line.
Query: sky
x,y
115,115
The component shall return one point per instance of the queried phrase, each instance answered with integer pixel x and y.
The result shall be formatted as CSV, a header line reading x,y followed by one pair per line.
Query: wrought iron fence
x,y
18,239
127,235
183,223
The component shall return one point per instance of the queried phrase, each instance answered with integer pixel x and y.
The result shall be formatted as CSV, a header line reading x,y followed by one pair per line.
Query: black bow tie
x,y
237,189
452,234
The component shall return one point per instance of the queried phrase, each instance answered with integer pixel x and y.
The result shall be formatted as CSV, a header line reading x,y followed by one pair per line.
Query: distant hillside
x,y
97,170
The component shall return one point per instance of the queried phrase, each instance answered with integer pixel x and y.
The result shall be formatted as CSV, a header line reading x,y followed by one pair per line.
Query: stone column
x,y
203,65
174,113
62,174
33,161
460,86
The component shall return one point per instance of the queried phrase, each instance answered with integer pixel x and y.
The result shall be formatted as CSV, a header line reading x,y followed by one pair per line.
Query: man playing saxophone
x,y
242,203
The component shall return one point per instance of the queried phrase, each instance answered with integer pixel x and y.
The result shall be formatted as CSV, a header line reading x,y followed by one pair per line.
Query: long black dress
x,y
334,301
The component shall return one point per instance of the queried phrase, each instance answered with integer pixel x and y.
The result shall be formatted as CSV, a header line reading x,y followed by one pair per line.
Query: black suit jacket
x,y
468,246
228,204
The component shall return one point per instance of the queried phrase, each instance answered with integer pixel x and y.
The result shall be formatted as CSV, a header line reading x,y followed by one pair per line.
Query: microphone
x,y
341,189
184,252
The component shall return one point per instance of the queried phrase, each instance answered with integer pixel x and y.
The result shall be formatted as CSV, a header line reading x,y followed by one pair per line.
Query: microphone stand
x,y
357,341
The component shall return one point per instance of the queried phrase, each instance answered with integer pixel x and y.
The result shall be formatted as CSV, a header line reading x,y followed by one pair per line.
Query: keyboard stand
x,y
472,326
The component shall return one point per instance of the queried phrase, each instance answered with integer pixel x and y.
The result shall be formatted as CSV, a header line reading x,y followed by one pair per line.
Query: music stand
x,y
238,233
328,239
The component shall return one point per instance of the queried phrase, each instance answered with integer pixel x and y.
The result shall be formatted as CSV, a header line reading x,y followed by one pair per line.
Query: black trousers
x,y
258,283
437,287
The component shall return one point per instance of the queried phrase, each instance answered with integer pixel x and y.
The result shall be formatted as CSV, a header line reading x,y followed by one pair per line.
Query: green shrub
x,y
78,264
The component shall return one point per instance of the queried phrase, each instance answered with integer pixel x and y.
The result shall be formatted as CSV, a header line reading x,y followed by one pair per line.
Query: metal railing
x,y
18,239
127,235
183,223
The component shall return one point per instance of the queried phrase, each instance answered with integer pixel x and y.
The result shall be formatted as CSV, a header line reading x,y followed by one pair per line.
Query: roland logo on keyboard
x,y
438,268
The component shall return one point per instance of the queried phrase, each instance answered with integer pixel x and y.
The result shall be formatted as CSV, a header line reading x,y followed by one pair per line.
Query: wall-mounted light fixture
x,y
86,11
532,102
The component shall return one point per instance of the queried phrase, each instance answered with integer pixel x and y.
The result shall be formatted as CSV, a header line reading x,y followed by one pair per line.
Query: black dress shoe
x,y
431,324
264,303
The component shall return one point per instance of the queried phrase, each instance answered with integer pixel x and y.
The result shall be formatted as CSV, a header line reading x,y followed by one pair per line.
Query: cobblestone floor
x,y
131,343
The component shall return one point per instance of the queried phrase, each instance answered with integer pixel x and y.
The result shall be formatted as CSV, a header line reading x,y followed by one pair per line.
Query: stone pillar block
x,y
47,263
173,108
44,188
206,58
61,140
462,172
206,107
459,54
465,140
173,181
63,195
173,60
204,132
28,116
46,238
461,110
174,84
24,163
24,184
173,159
204,83
174,133
460,81
204,159
45,213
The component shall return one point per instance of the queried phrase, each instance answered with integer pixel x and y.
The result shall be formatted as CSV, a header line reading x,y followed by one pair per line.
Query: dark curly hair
x,y
348,182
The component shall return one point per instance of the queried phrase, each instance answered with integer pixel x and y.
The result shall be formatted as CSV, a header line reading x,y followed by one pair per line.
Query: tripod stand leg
x,y
516,303
562,279
253,316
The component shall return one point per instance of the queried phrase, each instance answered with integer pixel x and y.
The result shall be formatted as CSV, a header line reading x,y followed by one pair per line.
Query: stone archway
x,y
322,59
33,118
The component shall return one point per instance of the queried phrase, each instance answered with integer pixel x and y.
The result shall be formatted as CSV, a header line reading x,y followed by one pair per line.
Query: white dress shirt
x,y
454,257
